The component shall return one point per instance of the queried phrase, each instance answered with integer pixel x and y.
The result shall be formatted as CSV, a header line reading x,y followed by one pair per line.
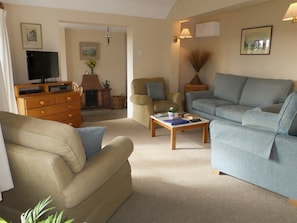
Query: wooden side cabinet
x,y
195,87
61,106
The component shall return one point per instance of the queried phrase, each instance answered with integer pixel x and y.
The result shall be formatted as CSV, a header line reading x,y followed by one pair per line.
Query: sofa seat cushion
x,y
229,87
259,92
209,105
232,112
163,106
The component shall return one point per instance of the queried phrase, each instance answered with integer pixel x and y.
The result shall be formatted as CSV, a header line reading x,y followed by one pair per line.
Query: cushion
x,y
91,138
231,112
50,136
155,90
229,87
259,92
287,123
208,105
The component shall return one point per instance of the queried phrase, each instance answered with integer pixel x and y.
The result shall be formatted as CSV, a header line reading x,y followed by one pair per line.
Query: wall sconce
x,y
185,34
108,35
291,14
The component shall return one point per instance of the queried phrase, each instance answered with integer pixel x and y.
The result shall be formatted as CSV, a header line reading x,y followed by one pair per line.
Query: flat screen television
x,y
42,65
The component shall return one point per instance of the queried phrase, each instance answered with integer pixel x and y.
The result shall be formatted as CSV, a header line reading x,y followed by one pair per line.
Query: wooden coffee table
x,y
181,127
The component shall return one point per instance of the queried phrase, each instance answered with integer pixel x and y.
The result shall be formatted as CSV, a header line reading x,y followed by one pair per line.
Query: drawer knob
x,y
42,112
70,115
69,98
69,106
41,102
70,123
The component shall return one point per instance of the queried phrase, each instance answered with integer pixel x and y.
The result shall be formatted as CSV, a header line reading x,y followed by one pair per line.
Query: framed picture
x,y
256,41
31,36
89,51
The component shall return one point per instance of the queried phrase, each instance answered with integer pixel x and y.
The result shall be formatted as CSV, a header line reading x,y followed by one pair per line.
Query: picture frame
x,y
89,50
31,35
256,41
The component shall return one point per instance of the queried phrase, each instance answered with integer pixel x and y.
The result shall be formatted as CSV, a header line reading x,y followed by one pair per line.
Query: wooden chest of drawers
x,y
63,106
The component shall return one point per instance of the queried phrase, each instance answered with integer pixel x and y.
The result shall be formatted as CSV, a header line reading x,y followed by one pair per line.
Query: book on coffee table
x,y
177,121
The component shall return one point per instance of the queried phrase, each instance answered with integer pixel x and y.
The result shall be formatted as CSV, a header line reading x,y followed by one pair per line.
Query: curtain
x,y
7,100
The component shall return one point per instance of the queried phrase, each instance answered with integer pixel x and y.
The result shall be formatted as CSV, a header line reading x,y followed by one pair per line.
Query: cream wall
x,y
146,38
226,58
112,61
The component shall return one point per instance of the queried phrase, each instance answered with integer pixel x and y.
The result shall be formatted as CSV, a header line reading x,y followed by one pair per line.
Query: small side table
x,y
195,87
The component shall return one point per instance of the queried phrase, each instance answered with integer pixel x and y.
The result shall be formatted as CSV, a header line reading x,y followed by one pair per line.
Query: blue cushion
x,y
228,87
288,116
91,138
155,90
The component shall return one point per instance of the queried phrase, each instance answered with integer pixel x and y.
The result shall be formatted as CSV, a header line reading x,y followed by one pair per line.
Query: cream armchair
x,y
151,96
48,158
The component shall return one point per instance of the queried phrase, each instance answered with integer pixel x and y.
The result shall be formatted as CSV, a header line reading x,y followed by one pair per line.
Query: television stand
x,y
46,102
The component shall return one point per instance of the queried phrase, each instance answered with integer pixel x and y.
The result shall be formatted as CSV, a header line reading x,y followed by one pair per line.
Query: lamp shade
x,y
185,34
291,14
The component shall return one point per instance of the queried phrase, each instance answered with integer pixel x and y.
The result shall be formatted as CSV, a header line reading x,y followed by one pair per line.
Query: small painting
x,y
31,36
256,41
89,51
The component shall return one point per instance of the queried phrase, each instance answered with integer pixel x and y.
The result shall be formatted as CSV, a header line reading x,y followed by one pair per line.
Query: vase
x,y
92,70
196,79
171,115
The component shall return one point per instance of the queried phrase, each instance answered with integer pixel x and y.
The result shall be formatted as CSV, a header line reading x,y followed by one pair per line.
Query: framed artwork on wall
x,y
256,41
31,36
89,50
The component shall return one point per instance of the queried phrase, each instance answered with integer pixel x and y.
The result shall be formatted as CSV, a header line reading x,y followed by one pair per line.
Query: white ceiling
x,y
158,9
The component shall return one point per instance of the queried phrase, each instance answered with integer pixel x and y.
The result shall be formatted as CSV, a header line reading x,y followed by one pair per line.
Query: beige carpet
x,y
179,186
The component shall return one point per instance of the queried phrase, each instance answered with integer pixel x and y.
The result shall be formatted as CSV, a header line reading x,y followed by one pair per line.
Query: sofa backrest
x,y
228,87
287,123
138,86
259,92
50,136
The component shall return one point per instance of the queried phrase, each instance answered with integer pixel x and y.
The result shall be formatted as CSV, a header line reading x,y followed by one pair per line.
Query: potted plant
x,y
198,58
171,113
39,214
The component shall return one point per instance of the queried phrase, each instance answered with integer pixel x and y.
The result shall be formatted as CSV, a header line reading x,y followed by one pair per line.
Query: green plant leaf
x,y
2,220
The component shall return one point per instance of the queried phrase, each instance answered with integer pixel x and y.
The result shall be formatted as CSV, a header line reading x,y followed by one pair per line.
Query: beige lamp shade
x,y
185,34
291,14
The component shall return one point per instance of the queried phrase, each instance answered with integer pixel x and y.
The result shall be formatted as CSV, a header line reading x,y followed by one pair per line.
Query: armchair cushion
x,y
91,138
45,135
288,116
155,90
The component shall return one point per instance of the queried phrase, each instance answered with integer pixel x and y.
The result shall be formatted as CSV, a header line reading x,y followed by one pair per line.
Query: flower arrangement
x,y
171,109
198,58
91,64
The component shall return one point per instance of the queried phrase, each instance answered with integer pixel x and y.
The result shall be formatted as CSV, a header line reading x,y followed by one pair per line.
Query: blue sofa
x,y
233,95
261,150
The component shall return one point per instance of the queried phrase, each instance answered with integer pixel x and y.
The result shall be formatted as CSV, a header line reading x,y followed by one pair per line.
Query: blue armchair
x,y
262,150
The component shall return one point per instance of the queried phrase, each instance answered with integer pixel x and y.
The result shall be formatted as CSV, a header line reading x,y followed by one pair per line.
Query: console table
x,y
61,105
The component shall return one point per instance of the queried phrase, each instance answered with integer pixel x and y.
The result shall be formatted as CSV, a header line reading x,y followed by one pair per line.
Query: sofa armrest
x,y
98,170
192,95
260,120
141,99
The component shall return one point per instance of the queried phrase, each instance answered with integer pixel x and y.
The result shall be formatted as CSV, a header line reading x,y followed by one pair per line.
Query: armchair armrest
x,y
141,99
98,170
177,98
260,120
